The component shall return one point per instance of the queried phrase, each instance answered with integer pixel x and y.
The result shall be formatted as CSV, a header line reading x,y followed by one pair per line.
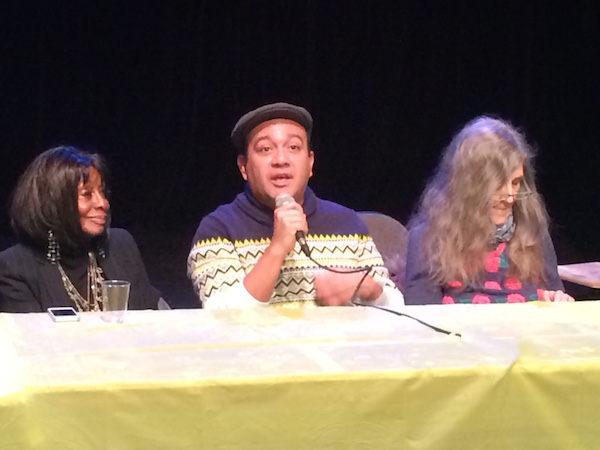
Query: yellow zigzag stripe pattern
x,y
217,263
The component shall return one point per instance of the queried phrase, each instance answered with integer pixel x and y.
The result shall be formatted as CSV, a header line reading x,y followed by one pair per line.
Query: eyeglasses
x,y
517,196
523,193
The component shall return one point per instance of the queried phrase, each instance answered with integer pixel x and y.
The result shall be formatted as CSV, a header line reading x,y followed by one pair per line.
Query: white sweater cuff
x,y
233,297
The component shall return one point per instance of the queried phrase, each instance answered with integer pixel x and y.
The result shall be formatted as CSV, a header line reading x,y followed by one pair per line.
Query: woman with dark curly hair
x,y
60,215
480,234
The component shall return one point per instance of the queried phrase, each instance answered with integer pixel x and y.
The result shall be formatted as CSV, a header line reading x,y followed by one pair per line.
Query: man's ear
x,y
311,155
241,162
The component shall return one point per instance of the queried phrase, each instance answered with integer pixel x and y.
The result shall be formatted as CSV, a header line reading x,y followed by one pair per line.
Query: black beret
x,y
250,120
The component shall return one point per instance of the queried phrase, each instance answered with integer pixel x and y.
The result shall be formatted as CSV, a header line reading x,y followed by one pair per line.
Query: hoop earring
x,y
53,254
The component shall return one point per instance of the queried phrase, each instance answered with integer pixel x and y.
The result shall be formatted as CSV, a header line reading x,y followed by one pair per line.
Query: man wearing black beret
x,y
270,245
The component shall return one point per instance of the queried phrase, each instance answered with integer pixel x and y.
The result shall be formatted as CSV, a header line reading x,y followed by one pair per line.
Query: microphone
x,y
284,199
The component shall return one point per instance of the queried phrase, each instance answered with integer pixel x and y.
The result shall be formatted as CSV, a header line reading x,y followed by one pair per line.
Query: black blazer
x,y
29,283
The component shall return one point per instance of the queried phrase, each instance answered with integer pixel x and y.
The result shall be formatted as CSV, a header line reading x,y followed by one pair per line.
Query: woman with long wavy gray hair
x,y
480,233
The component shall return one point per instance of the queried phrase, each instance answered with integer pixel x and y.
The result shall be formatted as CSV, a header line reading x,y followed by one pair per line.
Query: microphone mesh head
x,y
283,199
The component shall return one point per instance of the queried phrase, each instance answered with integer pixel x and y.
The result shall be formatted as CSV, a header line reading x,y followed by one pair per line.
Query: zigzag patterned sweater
x,y
230,241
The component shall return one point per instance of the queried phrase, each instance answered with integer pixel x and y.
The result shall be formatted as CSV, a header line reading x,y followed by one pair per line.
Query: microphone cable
x,y
422,322
353,299
366,269
282,200
354,302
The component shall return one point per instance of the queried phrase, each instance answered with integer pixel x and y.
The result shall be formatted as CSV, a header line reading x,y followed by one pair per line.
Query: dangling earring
x,y
53,254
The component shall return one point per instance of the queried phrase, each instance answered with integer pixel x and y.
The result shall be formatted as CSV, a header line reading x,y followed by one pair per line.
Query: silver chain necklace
x,y
93,302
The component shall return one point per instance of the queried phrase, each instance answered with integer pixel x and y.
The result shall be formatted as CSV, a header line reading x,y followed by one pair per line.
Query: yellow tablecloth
x,y
523,376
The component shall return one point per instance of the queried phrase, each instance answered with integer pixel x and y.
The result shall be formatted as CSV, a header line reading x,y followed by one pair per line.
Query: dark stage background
x,y
157,86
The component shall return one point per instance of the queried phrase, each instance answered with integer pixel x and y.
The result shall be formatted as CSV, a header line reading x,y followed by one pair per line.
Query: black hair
x,y
45,198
